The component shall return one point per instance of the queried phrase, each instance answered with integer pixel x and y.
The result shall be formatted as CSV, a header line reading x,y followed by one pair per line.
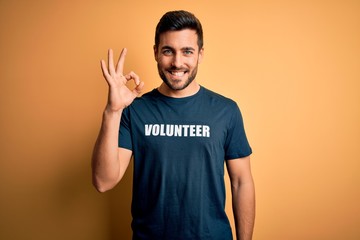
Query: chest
x,y
186,122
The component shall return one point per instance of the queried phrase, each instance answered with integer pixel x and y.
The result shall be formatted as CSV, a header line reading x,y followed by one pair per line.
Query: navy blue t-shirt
x,y
179,147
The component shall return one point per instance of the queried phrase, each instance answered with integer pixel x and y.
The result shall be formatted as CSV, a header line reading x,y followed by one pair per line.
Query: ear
x,y
155,52
201,55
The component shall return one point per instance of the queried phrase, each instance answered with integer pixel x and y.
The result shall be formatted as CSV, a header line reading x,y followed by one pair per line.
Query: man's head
x,y
176,21
178,50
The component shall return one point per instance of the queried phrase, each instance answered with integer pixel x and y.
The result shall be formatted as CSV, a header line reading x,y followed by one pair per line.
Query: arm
x,y
109,162
243,196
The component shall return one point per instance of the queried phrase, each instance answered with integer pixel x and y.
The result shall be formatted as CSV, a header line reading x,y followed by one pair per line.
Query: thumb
x,y
137,90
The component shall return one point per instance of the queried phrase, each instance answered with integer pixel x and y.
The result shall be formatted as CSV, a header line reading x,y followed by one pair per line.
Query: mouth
x,y
177,73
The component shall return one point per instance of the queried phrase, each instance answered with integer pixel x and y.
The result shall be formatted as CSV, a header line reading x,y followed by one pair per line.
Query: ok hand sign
x,y
120,96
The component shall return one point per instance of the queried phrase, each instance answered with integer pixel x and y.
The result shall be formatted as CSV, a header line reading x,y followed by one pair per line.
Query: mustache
x,y
177,69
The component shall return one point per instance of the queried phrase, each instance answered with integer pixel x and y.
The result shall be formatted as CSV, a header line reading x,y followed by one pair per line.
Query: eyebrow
x,y
183,49
188,48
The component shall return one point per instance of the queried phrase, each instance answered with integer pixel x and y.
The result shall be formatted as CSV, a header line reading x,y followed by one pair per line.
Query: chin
x,y
177,85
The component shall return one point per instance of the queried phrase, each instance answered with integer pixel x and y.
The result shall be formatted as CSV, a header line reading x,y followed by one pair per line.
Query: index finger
x,y
120,64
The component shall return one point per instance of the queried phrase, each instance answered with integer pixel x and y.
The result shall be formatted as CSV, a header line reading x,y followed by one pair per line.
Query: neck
x,y
190,90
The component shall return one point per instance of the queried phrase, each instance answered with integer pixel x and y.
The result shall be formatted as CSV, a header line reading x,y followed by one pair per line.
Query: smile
x,y
177,74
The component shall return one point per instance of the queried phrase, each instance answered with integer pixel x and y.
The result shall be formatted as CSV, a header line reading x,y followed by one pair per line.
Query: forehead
x,y
179,39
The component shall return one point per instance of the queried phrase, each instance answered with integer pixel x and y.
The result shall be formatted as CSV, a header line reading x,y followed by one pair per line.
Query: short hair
x,y
176,21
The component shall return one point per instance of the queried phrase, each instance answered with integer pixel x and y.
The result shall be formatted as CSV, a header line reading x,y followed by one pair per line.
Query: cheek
x,y
192,62
162,62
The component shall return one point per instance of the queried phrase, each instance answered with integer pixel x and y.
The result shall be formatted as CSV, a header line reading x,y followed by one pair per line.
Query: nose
x,y
177,61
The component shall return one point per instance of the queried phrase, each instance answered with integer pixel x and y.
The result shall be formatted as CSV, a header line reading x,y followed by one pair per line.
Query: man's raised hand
x,y
120,96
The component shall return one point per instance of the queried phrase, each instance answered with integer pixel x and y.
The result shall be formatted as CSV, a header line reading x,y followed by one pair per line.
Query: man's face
x,y
177,57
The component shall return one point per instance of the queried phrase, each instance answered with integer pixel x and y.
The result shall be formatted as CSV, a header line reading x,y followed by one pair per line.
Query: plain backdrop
x,y
293,67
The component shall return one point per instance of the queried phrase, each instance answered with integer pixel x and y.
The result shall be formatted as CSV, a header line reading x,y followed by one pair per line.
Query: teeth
x,y
178,74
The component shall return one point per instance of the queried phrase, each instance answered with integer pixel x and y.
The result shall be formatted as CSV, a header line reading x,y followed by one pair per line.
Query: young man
x,y
179,134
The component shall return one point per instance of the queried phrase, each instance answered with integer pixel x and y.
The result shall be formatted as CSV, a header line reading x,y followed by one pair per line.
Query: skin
x,y
177,57
243,196
109,162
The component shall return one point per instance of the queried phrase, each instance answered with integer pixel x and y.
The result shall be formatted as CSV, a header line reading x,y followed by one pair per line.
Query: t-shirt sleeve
x,y
124,139
236,145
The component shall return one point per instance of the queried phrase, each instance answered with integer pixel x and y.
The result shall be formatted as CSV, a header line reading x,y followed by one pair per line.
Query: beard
x,y
172,84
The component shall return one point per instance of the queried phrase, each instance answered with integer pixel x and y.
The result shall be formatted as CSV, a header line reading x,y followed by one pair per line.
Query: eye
x,y
167,52
188,52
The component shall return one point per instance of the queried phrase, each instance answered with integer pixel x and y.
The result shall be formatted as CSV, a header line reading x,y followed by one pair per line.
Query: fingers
x,y
137,90
111,62
139,85
121,61
105,71
113,75
120,64
133,76
109,71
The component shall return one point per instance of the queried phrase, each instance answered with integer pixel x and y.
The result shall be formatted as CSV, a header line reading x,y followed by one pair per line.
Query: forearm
x,y
243,201
105,159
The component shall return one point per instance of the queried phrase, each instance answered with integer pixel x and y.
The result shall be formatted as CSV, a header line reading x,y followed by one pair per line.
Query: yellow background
x,y
292,66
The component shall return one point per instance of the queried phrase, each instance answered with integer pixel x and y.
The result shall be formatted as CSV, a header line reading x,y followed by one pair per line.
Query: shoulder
x,y
217,98
140,104
148,95
145,98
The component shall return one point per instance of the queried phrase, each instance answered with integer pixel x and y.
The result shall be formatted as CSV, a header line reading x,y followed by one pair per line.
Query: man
x,y
179,135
